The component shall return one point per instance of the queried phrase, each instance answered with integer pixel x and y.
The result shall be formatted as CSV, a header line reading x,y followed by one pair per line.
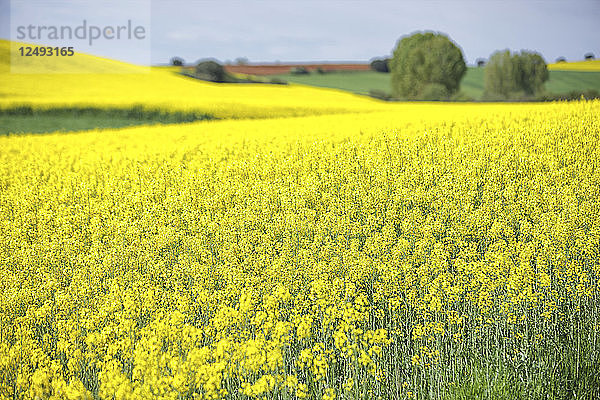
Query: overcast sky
x,y
350,30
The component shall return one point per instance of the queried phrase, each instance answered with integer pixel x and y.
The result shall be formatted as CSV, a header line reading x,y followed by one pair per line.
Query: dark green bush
x,y
278,81
380,65
573,95
177,61
211,70
380,94
299,71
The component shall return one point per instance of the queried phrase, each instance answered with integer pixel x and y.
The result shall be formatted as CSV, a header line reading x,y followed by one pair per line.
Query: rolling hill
x,y
571,78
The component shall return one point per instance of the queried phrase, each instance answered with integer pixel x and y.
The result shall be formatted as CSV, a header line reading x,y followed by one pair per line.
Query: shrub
x,y
278,81
480,62
211,70
515,76
589,56
299,71
380,65
571,96
561,60
423,59
177,61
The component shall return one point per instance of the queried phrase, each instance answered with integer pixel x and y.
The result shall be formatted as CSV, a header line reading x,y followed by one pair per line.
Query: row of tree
x,y
430,66
587,57
383,64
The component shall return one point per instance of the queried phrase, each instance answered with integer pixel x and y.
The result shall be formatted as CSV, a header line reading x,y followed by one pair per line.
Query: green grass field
x,y
566,81
17,124
353,81
27,120
472,84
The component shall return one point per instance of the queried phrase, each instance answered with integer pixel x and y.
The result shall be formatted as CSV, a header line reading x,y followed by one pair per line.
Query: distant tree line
x,y
213,71
586,57
430,66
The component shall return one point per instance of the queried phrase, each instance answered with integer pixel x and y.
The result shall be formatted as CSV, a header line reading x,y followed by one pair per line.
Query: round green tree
x,y
426,61
515,76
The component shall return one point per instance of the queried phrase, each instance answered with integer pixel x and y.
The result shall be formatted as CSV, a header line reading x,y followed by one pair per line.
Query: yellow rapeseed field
x,y
403,251
588,65
120,85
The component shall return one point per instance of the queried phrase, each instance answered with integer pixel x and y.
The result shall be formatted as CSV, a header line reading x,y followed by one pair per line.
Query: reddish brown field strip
x,y
274,69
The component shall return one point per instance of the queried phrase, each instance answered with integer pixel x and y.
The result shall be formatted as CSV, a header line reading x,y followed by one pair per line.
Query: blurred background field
x,y
363,82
